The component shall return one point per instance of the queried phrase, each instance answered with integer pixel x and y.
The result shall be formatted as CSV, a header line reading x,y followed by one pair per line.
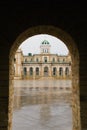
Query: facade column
x,y
34,72
50,70
63,72
27,73
41,71
70,72
57,73
64,75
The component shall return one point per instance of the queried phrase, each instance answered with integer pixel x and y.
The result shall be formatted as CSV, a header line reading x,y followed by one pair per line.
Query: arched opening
x,y
60,71
31,71
75,68
25,71
54,71
67,71
37,71
46,71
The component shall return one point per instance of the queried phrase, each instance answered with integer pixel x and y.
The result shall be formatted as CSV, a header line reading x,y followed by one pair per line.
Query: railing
x,y
42,62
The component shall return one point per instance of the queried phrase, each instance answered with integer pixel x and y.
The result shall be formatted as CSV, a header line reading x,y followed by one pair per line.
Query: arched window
x,y
37,71
31,71
54,71
67,71
61,71
25,71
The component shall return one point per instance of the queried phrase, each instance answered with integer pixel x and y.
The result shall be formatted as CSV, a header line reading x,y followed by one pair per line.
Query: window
x,y
58,60
26,60
31,59
45,59
53,59
63,60
37,59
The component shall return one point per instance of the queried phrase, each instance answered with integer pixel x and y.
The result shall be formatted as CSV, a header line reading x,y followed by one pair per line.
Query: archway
x,y
60,71
66,38
54,71
46,72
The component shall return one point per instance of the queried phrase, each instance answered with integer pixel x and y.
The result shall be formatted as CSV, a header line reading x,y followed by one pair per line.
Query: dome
x,y
45,42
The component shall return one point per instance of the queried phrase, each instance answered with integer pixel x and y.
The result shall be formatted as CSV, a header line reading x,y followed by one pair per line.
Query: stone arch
x,y
70,43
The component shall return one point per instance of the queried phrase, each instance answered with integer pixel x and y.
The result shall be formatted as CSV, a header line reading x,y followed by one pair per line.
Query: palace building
x,y
43,65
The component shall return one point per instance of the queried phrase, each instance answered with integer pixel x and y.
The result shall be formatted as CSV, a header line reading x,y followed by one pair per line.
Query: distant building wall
x,y
42,65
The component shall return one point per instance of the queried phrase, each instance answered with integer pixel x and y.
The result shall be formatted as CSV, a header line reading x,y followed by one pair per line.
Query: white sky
x,y
32,45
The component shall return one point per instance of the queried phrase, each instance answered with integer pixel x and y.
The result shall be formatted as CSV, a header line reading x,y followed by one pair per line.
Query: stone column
x,y
75,98
42,71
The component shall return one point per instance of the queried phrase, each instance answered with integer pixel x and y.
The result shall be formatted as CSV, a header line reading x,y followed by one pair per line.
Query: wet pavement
x,y
42,105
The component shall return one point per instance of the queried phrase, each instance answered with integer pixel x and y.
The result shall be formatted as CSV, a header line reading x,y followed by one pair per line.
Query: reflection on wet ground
x,y
42,109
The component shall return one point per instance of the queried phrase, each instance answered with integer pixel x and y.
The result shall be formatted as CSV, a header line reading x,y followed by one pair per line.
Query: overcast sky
x,y
32,45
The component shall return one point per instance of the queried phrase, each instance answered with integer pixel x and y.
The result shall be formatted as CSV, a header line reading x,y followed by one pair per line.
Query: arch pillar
x,y
70,43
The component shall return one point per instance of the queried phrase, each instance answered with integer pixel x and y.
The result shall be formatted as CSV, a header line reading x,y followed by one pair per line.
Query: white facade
x,y
42,65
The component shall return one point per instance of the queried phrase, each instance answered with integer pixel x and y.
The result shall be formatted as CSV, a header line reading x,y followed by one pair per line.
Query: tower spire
x,y
45,47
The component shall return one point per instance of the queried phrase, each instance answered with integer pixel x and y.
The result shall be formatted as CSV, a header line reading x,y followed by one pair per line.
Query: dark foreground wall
x,y
70,17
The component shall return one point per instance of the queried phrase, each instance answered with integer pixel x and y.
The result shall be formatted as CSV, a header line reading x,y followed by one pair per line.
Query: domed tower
x,y
45,47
